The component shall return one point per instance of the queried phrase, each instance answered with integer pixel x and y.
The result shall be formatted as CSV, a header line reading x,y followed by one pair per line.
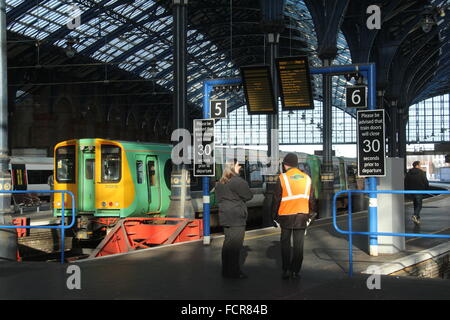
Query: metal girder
x,y
418,71
143,44
21,9
85,16
389,49
359,38
121,30
419,89
402,63
327,17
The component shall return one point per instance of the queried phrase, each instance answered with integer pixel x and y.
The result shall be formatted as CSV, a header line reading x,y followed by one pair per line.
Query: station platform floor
x,y
192,271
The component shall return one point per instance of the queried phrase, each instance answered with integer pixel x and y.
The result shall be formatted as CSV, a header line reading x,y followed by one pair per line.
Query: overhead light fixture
x,y
153,69
427,23
69,49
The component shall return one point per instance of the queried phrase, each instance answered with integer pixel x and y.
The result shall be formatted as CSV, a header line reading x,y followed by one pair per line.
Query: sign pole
x,y
372,182
205,180
207,87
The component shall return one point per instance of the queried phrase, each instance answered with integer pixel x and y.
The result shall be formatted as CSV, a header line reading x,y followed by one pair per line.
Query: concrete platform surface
x,y
192,271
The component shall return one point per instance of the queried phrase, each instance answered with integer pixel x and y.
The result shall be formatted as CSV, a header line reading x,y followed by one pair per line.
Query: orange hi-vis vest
x,y
296,189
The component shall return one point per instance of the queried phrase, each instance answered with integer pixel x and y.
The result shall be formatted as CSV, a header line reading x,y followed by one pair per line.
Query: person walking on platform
x,y
416,179
293,208
231,194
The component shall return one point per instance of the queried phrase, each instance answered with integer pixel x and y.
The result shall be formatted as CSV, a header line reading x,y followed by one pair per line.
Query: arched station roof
x,y
131,41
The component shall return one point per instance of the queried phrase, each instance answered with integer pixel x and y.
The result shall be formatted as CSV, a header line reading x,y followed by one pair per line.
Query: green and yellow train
x,y
119,179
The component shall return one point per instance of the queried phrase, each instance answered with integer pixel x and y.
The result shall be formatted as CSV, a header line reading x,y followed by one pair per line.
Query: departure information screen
x,y
295,83
258,90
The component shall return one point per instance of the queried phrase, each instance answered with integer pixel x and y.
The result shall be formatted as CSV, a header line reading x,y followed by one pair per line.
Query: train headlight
x,y
58,204
103,204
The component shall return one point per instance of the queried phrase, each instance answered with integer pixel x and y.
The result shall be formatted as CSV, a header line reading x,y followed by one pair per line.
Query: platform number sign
x,y
218,109
204,160
371,143
356,96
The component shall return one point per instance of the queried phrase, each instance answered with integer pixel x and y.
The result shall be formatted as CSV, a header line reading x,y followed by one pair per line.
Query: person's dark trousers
x,y
231,250
292,262
417,201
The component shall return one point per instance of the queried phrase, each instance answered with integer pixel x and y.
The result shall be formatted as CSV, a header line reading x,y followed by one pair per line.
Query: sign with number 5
x,y
218,109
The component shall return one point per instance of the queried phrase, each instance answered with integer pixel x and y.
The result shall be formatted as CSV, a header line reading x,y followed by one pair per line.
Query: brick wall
x,y
438,267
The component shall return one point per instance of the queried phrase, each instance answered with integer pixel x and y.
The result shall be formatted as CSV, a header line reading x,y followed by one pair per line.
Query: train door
x,y
154,188
141,184
87,182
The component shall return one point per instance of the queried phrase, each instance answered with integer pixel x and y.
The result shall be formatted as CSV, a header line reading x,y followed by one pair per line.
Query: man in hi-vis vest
x,y
293,208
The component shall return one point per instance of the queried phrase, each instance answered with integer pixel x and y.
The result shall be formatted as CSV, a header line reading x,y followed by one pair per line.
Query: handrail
x,y
62,226
350,232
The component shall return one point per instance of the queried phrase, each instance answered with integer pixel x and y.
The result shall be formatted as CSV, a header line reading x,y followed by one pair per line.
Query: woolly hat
x,y
291,160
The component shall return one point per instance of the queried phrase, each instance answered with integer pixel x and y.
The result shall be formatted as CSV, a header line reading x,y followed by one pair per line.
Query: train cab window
x,y
351,177
111,163
256,178
65,164
168,173
139,172
303,166
90,165
151,173
337,176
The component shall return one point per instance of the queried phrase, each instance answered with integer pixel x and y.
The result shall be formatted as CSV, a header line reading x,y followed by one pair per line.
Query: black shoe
x,y
285,275
296,275
234,276
242,276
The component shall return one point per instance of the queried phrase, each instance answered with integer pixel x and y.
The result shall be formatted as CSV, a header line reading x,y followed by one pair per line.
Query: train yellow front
x,y
113,178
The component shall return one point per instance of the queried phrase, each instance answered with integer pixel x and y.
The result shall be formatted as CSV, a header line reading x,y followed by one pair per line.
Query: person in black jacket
x,y
416,179
231,194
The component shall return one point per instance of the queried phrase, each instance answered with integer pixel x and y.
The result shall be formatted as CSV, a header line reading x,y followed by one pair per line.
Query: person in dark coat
x,y
231,194
294,208
416,179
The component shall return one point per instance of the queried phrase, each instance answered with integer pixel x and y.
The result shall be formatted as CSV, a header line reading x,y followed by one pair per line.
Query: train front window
x,y
65,164
256,178
111,163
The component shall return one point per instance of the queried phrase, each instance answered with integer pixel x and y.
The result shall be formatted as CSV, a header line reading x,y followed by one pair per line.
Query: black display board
x,y
294,81
258,90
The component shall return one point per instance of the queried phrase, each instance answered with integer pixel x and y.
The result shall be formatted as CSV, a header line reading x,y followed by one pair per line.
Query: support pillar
x,y
402,122
393,130
180,204
273,147
8,239
327,172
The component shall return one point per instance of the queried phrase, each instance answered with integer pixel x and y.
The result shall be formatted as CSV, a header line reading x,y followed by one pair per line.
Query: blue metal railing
x,y
350,231
62,226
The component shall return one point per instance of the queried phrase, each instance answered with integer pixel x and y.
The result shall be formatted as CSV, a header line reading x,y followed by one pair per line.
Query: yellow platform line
x,y
428,233
278,232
